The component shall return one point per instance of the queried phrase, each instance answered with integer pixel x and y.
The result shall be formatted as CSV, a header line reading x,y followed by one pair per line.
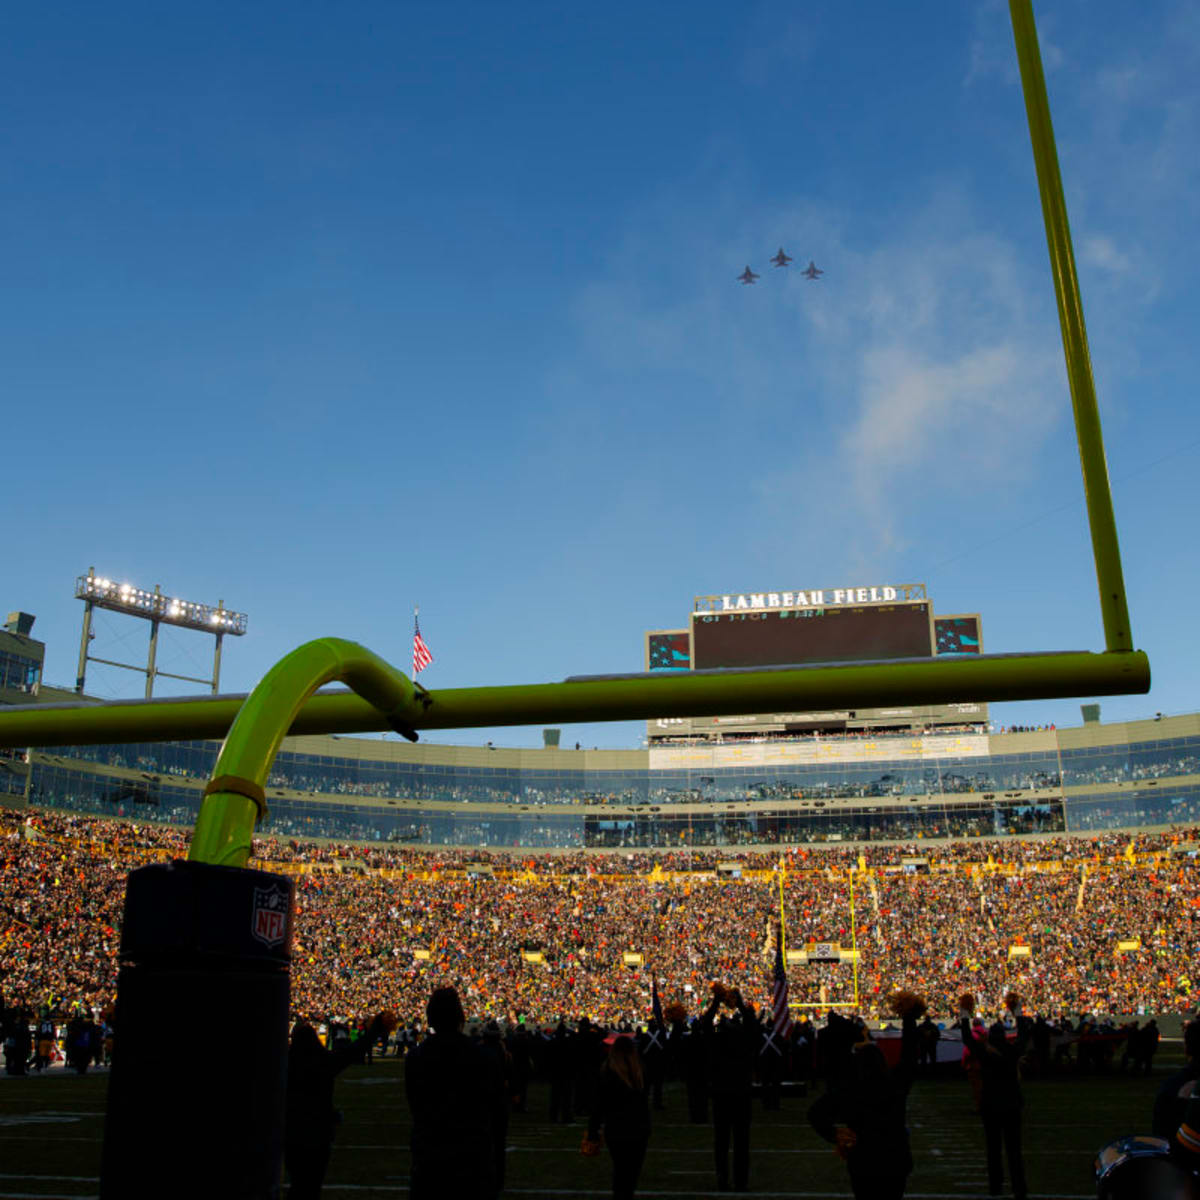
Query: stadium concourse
x,y
1106,925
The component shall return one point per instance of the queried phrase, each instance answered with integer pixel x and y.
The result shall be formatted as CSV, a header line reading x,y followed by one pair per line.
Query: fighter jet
x,y
781,259
747,276
812,271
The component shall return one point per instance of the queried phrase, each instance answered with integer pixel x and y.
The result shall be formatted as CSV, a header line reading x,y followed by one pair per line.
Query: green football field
x,y
50,1130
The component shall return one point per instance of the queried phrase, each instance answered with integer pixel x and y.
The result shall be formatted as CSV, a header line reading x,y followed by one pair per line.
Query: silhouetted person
x,y
17,1040
691,1054
588,1052
1146,1046
501,1066
863,1110
652,1044
620,1109
311,1119
928,1036
1000,1101
560,1066
451,1090
1171,1100
520,1047
732,1046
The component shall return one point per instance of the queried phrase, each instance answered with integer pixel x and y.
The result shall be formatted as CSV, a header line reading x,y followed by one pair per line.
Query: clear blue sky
x,y
329,310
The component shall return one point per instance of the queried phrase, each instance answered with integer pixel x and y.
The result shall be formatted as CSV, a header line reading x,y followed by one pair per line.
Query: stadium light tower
x,y
98,592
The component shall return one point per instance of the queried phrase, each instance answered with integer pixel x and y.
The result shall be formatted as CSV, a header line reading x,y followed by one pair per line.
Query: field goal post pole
x,y
1102,523
208,934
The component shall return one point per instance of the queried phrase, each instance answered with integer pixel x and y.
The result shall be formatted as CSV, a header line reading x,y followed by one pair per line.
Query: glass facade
x,y
438,804
18,673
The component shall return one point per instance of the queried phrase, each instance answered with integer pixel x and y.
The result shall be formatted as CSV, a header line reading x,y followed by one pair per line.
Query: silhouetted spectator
x,y
620,1110
1172,1097
863,1110
1000,1099
501,1065
452,1092
311,1119
732,1046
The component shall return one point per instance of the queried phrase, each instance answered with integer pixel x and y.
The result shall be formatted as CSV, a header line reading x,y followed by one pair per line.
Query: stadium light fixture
x,y
170,610
98,591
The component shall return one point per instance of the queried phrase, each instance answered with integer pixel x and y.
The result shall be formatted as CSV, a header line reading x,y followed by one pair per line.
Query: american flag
x,y
421,656
781,1017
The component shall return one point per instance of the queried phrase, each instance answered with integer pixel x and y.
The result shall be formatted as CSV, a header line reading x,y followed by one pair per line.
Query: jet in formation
x,y
781,259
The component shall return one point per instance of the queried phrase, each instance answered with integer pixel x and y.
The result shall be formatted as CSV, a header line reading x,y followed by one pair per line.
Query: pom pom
x,y
966,1002
674,1013
1012,1001
589,1148
905,1003
388,1019
720,992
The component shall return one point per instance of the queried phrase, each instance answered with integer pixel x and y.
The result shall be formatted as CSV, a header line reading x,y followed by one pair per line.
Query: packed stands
x,y
942,917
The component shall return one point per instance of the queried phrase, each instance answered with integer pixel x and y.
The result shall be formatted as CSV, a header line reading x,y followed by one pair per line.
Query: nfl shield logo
x,y
268,924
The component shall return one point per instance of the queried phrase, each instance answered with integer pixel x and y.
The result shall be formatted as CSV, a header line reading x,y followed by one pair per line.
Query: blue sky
x,y
330,310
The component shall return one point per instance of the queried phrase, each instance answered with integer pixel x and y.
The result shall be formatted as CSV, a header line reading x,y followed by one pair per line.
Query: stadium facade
x,y
906,778
1141,774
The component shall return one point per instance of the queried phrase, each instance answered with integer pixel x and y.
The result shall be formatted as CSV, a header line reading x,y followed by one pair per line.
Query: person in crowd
x,y
560,1057
80,1030
691,1055
928,1036
311,1120
453,1091
587,1052
863,1111
1146,1047
521,1052
1173,1095
1001,1101
501,1068
732,1045
621,1113
44,1047
652,1043
17,1039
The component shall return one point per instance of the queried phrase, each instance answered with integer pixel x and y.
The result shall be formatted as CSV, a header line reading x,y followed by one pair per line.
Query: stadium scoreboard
x,y
848,633
814,626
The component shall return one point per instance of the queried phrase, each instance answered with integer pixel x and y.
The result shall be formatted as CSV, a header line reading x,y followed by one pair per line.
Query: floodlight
x,y
98,591
124,597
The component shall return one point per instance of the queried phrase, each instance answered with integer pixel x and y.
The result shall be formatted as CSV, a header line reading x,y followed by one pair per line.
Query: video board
x,y
668,650
841,633
958,634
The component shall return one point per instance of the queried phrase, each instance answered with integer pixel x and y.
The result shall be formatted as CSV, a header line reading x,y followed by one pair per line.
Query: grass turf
x,y
50,1131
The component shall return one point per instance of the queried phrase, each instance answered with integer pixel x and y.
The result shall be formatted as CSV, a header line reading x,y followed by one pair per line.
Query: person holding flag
x,y
773,1054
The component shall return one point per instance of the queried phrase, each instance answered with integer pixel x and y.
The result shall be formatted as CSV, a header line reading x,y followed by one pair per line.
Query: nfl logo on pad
x,y
268,923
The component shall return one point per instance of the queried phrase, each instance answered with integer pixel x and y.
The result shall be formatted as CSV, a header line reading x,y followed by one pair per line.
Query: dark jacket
x,y
452,1091
999,1067
870,1099
312,1070
1169,1105
622,1111
733,1046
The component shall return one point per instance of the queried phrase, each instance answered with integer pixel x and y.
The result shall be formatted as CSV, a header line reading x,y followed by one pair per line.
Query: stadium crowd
x,y
539,937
